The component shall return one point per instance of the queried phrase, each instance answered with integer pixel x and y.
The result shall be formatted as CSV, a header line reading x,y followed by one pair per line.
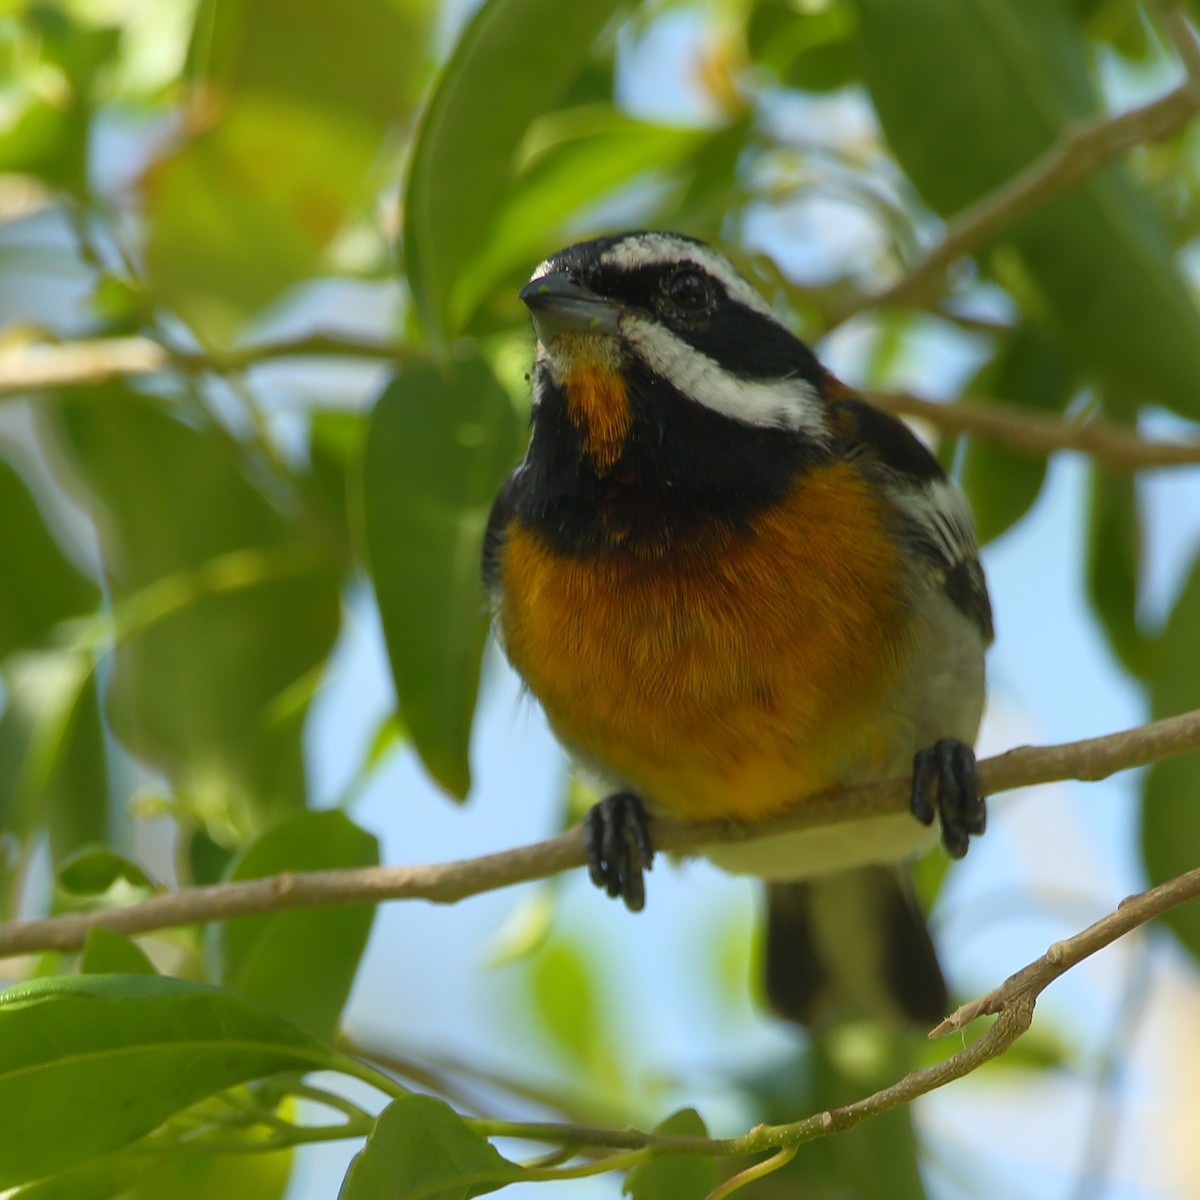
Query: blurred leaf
x,y
566,1001
674,1176
41,588
1170,812
49,61
1002,485
1114,565
137,1175
270,959
438,447
53,770
148,1045
939,71
94,869
525,930
421,1147
364,58
585,154
526,52
811,50
109,953
222,606
245,208
207,860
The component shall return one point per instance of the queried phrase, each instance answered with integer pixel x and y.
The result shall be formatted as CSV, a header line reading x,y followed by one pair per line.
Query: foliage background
x,y
220,574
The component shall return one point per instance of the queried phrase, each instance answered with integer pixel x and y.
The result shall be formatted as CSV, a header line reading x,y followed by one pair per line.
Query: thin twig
x,y
1080,151
445,883
45,365
1013,1004
1038,434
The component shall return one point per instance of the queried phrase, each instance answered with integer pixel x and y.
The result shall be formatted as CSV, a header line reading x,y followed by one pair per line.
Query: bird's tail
x,y
852,943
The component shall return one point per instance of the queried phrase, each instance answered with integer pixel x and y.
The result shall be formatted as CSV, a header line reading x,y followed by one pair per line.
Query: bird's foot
x,y
944,784
617,840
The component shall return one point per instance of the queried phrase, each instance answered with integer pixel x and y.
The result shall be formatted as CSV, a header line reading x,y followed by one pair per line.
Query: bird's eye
x,y
688,291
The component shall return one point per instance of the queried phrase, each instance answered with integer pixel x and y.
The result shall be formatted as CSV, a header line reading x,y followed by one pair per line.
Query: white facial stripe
x,y
663,249
777,404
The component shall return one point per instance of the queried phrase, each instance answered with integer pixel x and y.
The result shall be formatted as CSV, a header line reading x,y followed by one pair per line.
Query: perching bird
x,y
733,584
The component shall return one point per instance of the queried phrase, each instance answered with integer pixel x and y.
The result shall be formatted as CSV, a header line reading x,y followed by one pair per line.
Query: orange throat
x,y
598,406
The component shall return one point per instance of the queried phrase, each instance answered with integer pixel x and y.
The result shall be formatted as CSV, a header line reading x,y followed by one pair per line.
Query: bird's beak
x,y
559,305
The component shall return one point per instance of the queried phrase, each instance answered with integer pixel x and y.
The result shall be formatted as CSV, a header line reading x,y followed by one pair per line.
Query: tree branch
x,y
47,365
444,883
1080,151
1012,1003
1038,434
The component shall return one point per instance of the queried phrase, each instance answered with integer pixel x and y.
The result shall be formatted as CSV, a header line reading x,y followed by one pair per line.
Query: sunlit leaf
x,y
939,72
53,772
245,208
363,58
223,606
271,958
421,1147
526,52
147,1045
586,154
438,447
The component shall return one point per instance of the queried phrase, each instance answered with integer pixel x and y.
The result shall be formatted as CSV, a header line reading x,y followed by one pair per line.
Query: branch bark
x,y
445,883
1080,152
1038,435
1012,1003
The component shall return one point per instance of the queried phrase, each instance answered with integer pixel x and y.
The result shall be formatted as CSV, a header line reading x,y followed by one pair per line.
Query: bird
x,y
732,583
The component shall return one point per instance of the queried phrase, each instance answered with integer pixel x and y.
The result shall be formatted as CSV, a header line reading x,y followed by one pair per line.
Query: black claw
x,y
962,809
617,842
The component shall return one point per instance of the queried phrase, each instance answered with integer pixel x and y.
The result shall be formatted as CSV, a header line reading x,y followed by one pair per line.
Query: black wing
x,y
503,508
933,513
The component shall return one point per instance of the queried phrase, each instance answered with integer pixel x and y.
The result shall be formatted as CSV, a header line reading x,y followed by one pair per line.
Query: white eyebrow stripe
x,y
791,403
663,249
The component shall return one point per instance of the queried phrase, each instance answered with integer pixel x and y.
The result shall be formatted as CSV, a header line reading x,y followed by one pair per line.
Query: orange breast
x,y
730,680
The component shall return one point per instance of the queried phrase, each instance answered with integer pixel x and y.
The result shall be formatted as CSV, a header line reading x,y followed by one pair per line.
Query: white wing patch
x,y
791,403
941,511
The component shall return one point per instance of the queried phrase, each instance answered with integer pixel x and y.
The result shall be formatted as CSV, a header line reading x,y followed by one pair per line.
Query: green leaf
x,y
92,870
421,1149
107,952
526,52
939,72
583,155
567,1002
437,449
41,588
1114,564
1001,485
675,1176
110,1057
246,208
52,759
270,959
363,58
222,605
1170,812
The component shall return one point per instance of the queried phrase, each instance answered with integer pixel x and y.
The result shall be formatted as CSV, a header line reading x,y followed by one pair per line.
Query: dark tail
x,y
852,943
